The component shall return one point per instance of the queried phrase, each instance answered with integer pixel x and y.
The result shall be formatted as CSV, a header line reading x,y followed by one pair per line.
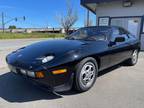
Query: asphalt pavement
x,y
117,87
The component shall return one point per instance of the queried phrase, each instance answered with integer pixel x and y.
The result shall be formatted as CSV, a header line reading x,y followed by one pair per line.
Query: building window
x,y
103,21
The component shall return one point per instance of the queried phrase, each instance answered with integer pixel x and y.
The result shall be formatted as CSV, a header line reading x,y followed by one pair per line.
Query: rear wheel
x,y
86,74
134,58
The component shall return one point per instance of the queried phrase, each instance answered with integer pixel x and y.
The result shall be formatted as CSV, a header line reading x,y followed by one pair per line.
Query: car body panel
x,y
67,53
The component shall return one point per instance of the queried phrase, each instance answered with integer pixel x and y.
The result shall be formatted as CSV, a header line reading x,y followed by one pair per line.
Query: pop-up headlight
x,y
47,59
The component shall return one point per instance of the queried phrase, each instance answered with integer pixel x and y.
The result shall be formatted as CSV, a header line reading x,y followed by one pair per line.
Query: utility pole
x,y
3,24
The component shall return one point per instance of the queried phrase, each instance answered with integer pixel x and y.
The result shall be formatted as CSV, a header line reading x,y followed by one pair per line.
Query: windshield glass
x,y
95,33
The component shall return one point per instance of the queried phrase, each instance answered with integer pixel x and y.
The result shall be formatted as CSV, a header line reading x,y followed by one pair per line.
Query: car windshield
x,y
96,33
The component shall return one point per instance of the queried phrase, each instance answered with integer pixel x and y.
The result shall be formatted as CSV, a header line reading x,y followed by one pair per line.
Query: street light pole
x,y
88,17
3,24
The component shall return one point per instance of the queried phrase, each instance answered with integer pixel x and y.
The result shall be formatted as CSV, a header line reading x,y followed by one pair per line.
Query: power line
x,y
4,21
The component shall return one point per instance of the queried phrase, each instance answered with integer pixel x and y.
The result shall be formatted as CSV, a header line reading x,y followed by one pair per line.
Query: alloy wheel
x,y
135,56
87,75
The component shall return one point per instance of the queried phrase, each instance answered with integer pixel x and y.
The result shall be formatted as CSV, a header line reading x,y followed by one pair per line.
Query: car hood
x,y
45,48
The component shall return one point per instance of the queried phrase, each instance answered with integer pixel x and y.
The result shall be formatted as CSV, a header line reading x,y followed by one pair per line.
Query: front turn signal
x,y
39,75
61,71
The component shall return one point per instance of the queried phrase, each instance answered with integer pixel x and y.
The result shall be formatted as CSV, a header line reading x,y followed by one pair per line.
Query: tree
x,y
68,20
12,27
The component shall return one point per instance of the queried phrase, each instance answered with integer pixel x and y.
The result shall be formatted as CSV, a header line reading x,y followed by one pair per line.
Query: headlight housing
x,y
31,74
46,59
28,73
13,69
24,72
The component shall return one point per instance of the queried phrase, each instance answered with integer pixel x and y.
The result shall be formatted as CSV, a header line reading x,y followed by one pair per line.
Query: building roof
x,y
96,1
91,4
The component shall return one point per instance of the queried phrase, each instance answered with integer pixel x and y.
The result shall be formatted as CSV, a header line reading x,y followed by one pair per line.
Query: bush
x,y
29,35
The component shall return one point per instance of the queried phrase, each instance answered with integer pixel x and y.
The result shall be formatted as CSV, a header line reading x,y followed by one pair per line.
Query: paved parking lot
x,y
117,87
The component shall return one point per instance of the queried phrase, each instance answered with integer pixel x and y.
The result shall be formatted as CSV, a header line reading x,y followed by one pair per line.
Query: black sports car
x,y
59,65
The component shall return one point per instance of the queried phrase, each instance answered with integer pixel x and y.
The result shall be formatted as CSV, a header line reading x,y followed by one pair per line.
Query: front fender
x,y
64,59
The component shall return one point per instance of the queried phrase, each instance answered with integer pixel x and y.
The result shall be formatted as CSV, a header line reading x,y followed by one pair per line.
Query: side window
x,y
124,33
101,37
97,34
115,33
120,32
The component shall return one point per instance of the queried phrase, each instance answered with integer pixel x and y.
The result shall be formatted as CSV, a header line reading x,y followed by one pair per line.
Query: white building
x,y
125,13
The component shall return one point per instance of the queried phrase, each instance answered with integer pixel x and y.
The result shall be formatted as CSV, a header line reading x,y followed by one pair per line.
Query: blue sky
x,y
40,13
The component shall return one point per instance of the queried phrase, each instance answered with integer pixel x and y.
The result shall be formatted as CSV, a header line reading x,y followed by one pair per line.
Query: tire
x,y
86,74
134,58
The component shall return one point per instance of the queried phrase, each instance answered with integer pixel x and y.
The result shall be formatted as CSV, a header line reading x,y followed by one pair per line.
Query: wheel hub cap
x,y
88,74
134,56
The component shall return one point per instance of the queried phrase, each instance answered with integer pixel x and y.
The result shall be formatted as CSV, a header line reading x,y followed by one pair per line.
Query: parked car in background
x,y
75,61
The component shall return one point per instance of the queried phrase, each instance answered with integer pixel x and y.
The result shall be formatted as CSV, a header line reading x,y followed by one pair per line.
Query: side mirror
x,y
119,39
111,44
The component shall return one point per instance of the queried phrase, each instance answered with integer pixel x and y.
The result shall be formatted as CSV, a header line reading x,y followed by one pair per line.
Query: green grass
x,y
29,35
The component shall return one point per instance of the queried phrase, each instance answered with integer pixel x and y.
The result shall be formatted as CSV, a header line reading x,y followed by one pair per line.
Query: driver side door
x,y
119,49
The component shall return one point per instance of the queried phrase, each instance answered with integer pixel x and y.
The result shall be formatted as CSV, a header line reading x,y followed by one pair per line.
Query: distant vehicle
x,y
75,61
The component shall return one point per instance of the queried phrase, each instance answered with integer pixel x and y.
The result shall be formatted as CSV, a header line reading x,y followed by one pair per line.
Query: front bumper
x,y
51,82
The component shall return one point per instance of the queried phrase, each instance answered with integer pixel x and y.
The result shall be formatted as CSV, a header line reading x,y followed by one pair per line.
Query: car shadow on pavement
x,y
16,89
101,73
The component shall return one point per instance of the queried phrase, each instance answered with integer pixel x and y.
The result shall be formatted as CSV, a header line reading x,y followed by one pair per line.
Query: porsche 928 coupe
x,y
59,65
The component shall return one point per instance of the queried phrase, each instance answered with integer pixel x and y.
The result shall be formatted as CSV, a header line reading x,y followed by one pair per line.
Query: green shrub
x,y
29,35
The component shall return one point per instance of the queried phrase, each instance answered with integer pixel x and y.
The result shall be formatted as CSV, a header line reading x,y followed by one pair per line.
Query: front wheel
x,y
86,74
134,58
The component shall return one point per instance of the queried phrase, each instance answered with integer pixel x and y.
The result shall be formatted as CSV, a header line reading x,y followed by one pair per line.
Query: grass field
x,y
29,35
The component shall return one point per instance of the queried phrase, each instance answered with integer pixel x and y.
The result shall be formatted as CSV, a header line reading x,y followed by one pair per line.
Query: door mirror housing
x,y
111,44
119,39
